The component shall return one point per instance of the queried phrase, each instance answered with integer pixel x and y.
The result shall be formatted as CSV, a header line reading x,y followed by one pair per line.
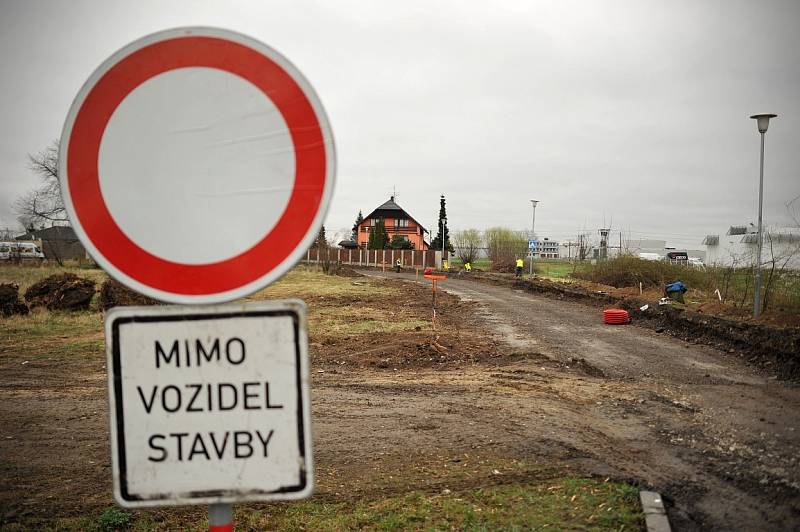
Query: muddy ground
x,y
717,436
513,386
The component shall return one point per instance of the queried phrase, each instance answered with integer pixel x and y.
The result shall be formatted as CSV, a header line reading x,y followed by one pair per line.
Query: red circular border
x,y
84,180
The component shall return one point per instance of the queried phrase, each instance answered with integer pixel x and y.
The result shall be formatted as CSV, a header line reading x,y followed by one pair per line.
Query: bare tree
x,y
43,205
793,209
779,260
467,244
7,234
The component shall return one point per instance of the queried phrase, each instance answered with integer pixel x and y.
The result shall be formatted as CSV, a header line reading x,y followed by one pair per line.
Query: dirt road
x,y
696,424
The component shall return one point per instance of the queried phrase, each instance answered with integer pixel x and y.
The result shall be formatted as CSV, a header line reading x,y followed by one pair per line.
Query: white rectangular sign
x,y
209,404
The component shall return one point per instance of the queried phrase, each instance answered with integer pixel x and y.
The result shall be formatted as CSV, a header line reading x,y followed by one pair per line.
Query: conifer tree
x,y
436,243
398,242
321,241
359,219
378,237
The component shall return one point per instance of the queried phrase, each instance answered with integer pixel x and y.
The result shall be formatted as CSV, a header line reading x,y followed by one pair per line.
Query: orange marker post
x,y
433,279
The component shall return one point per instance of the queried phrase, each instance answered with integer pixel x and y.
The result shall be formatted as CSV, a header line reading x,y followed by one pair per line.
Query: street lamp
x,y
533,233
763,124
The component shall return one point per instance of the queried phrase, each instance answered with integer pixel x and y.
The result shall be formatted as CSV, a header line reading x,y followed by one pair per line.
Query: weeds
x,y
113,519
735,284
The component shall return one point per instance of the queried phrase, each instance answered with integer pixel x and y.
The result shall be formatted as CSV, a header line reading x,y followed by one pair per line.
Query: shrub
x,y
467,244
781,288
627,270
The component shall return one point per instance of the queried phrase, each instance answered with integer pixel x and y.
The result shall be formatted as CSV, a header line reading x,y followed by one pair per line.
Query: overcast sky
x,y
628,113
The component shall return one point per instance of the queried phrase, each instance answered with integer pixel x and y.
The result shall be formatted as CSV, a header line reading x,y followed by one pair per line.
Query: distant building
x,y
348,244
738,246
548,249
642,245
397,222
58,242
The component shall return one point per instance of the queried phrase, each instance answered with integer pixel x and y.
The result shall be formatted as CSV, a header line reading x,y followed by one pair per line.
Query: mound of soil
x,y
64,291
550,288
114,294
762,344
10,303
346,271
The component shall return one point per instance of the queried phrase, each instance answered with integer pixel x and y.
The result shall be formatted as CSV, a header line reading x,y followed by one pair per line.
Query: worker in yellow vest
x,y
468,267
398,264
519,267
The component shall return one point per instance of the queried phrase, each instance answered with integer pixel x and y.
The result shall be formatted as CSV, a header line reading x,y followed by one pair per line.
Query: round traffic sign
x,y
196,165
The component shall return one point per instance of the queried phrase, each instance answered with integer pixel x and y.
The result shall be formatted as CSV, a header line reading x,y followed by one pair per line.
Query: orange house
x,y
397,222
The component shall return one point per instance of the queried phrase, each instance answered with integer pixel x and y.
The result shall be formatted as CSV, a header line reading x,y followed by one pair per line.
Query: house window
x,y
402,223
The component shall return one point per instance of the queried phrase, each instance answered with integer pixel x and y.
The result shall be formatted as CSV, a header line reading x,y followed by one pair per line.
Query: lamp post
x,y
763,123
533,230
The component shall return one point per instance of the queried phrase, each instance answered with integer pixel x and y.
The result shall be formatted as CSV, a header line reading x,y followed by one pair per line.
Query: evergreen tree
x,y
436,243
359,219
378,238
321,241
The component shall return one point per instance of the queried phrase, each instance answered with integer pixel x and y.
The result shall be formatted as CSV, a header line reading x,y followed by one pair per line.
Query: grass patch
x,y
113,518
25,276
562,504
360,320
553,269
559,504
309,281
47,334
44,334
477,264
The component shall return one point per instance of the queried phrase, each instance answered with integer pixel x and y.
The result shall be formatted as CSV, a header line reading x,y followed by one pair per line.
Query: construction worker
x,y
468,267
398,264
519,267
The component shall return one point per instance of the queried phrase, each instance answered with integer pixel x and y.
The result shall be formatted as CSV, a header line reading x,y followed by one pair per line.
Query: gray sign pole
x,y
220,517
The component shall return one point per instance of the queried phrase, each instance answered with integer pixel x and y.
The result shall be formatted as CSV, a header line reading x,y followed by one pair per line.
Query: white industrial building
x,y
548,249
737,247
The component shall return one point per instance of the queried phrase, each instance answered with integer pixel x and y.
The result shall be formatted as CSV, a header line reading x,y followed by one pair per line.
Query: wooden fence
x,y
409,258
